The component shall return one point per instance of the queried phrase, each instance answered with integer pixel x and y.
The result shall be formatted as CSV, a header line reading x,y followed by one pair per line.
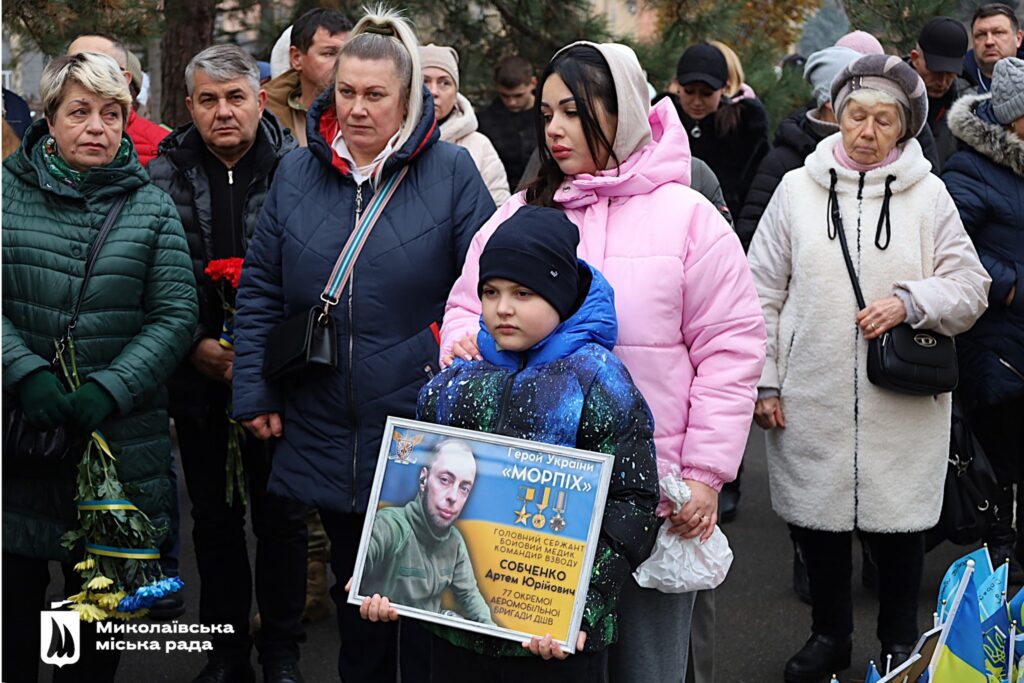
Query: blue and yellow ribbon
x,y
111,504
124,553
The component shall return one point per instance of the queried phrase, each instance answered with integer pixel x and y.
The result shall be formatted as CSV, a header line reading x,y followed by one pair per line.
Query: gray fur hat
x,y
1008,90
891,75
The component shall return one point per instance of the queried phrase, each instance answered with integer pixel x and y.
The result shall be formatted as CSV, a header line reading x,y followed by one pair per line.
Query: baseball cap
x,y
944,43
702,63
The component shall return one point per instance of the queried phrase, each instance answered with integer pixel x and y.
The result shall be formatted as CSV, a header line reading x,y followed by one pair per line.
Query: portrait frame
x,y
532,565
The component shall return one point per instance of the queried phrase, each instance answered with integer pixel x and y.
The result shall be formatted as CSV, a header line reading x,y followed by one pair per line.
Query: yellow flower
x,y
109,601
78,597
87,563
89,612
99,583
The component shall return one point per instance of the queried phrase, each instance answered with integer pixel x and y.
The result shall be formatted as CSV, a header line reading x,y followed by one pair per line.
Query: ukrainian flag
x,y
962,659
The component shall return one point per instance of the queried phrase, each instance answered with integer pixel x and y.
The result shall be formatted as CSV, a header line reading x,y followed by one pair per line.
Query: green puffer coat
x,y
135,325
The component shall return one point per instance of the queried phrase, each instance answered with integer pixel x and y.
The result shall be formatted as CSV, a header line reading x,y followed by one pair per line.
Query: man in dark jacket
x,y
938,60
218,170
508,121
996,34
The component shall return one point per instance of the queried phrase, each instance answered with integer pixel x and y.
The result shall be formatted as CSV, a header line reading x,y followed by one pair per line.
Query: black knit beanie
x,y
536,247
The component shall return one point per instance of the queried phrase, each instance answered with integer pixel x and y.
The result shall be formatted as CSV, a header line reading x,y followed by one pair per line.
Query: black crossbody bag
x,y
307,342
903,360
22,441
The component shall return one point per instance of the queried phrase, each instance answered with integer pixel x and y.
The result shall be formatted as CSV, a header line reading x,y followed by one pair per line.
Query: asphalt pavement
x,y
761,623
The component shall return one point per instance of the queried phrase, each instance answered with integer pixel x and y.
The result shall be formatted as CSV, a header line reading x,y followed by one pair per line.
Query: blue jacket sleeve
x,y
259,307
966,182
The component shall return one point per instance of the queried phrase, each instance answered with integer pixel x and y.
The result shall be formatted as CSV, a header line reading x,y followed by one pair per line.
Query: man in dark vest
x,y
217,170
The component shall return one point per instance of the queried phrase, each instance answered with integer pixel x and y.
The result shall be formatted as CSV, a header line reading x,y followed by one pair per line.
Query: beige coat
x,y
278,91
460,129
852,455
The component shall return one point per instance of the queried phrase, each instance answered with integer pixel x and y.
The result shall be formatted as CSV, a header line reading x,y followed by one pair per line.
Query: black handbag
x,y
307,341
970,488
903,360
301,343
23,442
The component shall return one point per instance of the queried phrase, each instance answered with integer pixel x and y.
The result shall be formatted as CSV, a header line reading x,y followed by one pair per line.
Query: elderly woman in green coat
x,y
137,317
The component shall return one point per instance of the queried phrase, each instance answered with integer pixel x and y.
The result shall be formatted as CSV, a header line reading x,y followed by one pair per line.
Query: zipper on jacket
x,y
1009,367
506,395
351,360
860,187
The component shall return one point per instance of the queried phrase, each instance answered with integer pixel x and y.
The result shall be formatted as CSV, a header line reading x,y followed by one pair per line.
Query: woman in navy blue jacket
x,y
376,119
986,180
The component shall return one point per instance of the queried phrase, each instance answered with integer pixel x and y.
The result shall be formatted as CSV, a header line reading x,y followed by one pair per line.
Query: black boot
x,y
818,659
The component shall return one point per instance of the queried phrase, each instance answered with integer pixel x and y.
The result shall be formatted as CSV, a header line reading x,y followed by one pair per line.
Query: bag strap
x,y
837,226
347,259
94,251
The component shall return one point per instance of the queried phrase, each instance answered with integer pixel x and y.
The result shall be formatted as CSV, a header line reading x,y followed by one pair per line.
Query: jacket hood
x,y
910,168
594,322
461,122
183,145
971,121
633,131
27,163
322,126
665,159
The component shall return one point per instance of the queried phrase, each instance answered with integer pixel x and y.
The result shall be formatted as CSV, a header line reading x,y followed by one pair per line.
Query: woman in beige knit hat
x,y
457,119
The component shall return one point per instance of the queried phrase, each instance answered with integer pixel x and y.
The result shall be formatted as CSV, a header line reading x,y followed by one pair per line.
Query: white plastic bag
x,y
679,565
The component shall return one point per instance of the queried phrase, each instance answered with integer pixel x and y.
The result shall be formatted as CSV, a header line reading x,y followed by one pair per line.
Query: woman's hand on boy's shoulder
x,y
465,348
548,648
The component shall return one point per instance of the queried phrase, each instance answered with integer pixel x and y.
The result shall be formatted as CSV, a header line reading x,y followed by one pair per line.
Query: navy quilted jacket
x,y
333,422
568,390
986,181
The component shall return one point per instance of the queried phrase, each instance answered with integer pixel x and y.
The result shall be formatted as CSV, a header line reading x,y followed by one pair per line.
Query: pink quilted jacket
x,y
691,331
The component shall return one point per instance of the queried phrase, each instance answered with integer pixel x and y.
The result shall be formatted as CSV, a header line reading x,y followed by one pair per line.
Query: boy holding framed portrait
x,y
548,375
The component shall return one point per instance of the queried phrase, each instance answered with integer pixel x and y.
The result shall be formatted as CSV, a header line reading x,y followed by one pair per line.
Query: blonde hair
x,y
869,97
384,34
732,60
99,74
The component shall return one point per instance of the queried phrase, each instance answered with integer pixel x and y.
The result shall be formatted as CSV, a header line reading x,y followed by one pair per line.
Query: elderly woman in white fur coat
x,y
457,119
844,454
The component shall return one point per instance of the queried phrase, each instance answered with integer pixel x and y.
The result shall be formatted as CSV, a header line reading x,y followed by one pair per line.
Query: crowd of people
x,y
638,273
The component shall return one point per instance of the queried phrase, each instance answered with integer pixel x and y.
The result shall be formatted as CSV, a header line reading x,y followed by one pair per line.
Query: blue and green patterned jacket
x,y
568,390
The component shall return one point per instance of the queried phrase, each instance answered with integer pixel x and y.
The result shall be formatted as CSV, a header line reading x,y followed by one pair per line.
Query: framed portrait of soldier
x,y
482,532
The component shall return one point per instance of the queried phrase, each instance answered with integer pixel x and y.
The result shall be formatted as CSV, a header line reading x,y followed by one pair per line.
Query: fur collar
x,y
986,138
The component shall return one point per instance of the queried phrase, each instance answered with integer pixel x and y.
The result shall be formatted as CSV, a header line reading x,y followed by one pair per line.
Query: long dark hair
x,y
586,74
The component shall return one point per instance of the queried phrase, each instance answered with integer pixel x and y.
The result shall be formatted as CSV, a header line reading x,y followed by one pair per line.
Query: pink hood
x,y
691,331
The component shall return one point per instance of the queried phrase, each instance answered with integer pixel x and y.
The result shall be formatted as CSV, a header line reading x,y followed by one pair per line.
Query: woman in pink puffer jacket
x,y
691,331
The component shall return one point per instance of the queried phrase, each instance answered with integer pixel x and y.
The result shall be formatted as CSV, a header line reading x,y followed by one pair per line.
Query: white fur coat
x,y
854,456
